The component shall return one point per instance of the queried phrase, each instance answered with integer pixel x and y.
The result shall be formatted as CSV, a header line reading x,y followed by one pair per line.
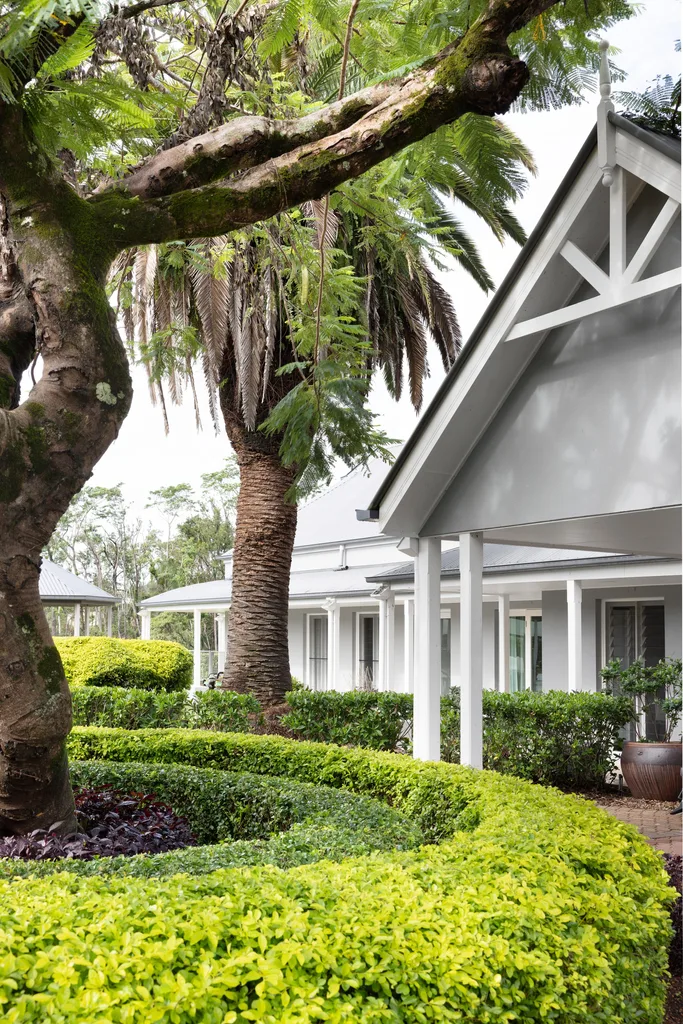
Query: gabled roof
x,y
584,170
59,586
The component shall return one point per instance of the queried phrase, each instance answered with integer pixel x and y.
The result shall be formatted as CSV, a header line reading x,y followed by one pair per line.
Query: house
x,y
560,427
352,604
70,601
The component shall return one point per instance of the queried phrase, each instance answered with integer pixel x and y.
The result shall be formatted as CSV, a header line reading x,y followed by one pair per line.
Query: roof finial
x,y
606,154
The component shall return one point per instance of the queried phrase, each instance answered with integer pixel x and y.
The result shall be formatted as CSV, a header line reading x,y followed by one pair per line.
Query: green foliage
x,y
559,739
138,664
646,688
359,718
658,108
123,708
246,819
542,907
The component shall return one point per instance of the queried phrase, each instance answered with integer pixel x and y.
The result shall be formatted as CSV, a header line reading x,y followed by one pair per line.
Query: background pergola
x,y
60,588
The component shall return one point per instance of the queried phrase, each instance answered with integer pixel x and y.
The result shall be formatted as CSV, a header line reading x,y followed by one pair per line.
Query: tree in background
x,y
98,155
98,539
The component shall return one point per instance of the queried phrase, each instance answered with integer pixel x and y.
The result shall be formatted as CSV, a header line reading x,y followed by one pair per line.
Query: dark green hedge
x,y
559,739
246,819
122,708
141,664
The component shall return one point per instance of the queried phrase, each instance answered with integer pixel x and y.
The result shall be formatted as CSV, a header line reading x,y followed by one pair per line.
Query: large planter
x,y
652,771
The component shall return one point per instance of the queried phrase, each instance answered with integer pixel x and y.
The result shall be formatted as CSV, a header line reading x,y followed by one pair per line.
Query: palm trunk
x,y
258,643
53,264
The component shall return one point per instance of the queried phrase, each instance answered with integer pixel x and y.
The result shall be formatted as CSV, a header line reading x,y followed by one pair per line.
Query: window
x,y
317,652
526,652
636,630
445,656
368,651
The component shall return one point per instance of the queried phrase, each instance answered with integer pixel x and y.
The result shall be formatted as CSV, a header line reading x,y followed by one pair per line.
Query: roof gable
x,y
556,275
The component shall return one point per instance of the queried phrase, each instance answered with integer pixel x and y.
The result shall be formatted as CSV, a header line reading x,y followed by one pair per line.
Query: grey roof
x,y
330,517
59,586
308,583
507,558
668,146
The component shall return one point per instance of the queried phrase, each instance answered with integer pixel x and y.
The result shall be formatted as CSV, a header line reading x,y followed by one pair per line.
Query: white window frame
x,y
365,614
308,680
527,614
605,602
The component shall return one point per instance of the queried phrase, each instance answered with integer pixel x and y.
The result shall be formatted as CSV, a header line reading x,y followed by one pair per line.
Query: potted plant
x,y
651,767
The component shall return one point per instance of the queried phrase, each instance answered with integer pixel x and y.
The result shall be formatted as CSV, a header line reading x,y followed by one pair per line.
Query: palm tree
x,y
289,319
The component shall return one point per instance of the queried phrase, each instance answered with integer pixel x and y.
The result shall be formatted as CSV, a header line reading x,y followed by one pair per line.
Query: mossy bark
x,y
53,263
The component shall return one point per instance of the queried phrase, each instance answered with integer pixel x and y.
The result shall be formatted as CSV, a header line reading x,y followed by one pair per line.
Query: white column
x,y
574,652
197,674
504,643
409,644
86,621
471,649
110,620
77,620
222,624
333,643
390,654
382,643
427,678
145,625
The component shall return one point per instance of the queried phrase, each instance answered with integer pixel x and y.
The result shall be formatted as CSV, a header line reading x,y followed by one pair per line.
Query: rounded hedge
x,y
240,818
532,907
141,664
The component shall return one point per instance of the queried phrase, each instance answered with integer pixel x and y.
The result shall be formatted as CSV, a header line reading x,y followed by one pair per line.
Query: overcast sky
x,y
143,458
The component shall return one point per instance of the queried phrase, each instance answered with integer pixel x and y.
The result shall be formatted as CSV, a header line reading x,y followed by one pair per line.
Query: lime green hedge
x,y
534,907
140,664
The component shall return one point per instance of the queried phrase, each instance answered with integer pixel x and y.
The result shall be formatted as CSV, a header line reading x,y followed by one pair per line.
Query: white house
x,y
560,426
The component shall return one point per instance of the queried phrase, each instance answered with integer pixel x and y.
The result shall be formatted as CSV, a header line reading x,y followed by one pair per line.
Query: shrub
x,y
138,664
118,707
361,718
560,739
545,909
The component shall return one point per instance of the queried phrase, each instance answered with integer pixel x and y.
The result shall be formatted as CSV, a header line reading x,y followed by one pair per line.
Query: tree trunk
x,y
53,264
258,643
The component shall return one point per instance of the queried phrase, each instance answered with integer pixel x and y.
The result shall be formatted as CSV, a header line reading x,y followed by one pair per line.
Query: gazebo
x,y
60,588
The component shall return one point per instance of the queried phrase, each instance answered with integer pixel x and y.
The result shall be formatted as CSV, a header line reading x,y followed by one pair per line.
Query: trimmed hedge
x,y
121,708
559,739
544,909
138,664
254,819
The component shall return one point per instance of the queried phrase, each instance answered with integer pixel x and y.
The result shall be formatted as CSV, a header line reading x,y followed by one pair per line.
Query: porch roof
x,y
508,558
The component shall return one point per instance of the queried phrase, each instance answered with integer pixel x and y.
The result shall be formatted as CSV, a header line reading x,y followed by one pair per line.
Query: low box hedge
x,y
559,739
533,907
138,664
118,707
241,818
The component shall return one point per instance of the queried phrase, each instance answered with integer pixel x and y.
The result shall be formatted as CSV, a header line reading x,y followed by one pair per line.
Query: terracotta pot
x,y
652,771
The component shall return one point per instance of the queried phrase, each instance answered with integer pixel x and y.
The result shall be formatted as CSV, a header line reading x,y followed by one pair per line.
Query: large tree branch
x,y
280,165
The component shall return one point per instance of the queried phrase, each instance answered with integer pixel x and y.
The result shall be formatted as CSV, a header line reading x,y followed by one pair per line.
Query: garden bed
x,y
529,905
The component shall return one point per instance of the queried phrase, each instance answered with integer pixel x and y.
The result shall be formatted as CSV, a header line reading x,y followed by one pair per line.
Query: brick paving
x,y
662,829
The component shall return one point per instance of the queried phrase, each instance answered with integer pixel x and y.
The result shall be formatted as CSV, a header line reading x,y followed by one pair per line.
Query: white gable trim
x,y
651,166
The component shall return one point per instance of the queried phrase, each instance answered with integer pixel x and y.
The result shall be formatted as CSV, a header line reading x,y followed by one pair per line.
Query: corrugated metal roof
x,y
57,583
501,558
309,583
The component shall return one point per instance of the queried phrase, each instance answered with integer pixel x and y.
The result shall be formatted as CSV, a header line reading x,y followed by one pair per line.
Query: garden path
x,y
653,819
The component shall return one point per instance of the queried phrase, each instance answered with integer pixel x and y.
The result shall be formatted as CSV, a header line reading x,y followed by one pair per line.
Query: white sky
x,y
143,458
